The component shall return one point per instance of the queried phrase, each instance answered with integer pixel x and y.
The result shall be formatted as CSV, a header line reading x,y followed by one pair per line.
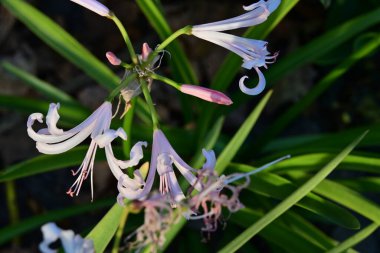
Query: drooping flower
x,y
253,52
206,94
53,140
71,242
162,160
207,204
158,218
94,6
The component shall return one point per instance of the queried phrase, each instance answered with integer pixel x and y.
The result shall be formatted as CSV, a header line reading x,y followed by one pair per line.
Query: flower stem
x,y
149,101
166,80
124,33
121,86
168,40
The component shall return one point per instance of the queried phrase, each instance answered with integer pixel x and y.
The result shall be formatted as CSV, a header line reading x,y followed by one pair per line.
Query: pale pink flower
x,y
94,6
162,160
71,242
158,218
206,94
253,52
53,140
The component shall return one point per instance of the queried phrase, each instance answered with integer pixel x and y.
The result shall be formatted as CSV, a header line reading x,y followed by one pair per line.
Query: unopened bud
x,y
206,94
113,59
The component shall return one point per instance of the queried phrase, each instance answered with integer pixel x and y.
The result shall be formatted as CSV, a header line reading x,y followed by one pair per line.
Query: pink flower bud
x,y
94,6
112,58
206,94
146,50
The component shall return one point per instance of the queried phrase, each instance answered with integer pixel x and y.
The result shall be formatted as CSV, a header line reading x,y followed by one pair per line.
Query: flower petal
x,y
135,156
94,6
210,160
256,90
50,233
52,118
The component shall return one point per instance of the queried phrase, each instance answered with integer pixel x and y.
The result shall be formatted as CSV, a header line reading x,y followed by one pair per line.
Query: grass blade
x,y
290,201
355,239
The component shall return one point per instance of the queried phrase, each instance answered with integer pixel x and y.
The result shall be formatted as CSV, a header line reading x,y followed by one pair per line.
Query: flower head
x,y
158,218
94,6
162,160
71,242
53,140
253,52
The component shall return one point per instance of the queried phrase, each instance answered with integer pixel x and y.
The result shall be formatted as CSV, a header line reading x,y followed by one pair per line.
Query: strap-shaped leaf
x,y
29,224
301,192
277,187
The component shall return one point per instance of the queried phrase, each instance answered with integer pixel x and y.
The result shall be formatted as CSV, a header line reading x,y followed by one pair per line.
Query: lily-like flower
x,y
208,204
94,6
253,52
71,242
162,160
206,94
53,140
158,218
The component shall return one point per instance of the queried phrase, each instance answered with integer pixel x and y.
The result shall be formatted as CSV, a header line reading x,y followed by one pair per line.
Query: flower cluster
x,y
209,192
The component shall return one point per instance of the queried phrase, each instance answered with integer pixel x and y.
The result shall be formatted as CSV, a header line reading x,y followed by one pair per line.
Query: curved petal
x,y
50,233
210,160
52,118
256,90
67,144
135,156
67,239
109,135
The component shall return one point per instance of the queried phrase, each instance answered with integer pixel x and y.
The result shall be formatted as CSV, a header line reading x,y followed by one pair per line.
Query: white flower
x,y
53,140
162,160
253,52
71,243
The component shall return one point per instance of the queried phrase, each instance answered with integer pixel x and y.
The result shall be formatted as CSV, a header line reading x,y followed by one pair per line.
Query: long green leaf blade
x,y
355,239
290,201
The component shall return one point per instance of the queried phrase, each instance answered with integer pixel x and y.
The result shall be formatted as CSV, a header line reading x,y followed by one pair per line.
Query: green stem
x,y
148,99
122,85
167,41
166,80
120,230
124,33
12,206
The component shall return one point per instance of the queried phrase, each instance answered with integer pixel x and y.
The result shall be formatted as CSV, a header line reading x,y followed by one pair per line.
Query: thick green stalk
x,y
120,230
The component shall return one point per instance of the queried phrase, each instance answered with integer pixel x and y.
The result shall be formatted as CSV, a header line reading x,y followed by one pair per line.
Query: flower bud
x,y
113,59
94,6
206,94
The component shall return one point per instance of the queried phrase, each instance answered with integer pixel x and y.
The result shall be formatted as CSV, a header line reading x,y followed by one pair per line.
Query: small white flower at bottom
x,y
71,242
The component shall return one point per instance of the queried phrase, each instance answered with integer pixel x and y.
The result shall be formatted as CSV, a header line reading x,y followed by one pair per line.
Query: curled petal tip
x,y
146,50
256,90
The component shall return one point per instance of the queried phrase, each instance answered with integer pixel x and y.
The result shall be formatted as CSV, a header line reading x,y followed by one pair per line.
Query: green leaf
x,y
29,224
103,232
289,201
362,184
70,114
45,163
276,233
355,239
291,114
350,199
274,186
61,41
46,89
233,146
